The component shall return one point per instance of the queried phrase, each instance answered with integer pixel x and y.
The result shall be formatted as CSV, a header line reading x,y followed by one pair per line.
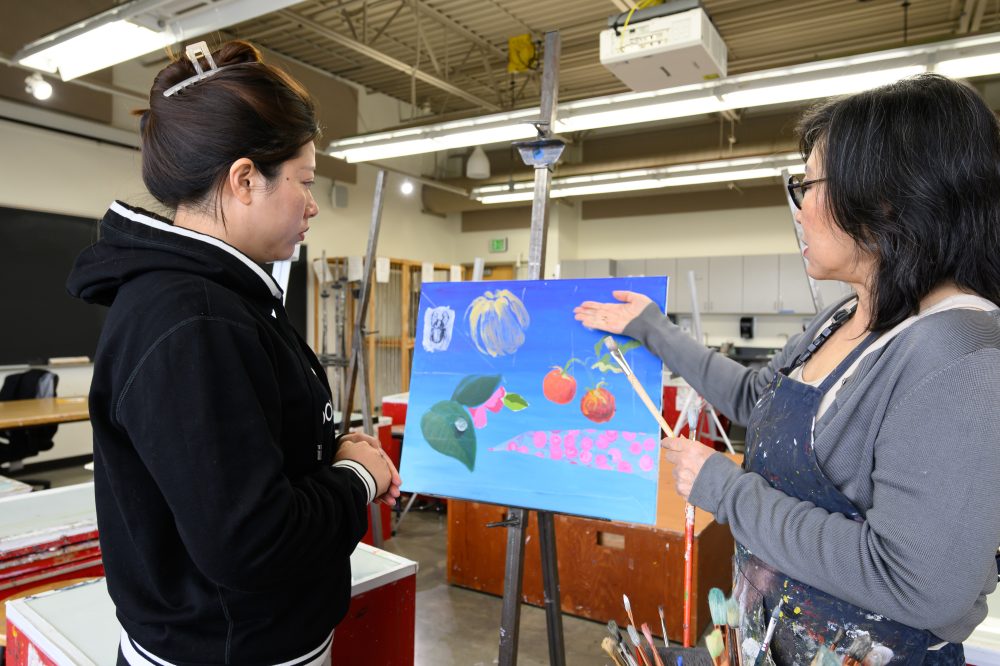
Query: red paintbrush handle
x,y
688,570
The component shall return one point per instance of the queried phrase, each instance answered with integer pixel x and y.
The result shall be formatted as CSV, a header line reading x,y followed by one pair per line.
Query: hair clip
x,y
193,51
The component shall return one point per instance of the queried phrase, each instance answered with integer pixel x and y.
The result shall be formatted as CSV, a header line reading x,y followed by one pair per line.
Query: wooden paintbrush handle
x,y
688,570
634,381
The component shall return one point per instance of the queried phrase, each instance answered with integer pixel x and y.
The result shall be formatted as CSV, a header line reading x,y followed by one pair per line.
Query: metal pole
x,y
513,575
817,297
517,518
358,346
359,359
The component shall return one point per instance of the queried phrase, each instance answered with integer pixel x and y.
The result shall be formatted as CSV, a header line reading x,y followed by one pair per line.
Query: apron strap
x,y
839,319
848,361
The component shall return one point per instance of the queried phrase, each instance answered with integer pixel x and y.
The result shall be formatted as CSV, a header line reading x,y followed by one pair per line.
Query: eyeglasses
x,y
797,189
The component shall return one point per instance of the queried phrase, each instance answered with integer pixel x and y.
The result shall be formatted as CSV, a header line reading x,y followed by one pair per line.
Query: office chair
x,y
16,444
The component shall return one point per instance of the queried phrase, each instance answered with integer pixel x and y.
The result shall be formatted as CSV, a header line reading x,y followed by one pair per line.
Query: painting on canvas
x,y
514,402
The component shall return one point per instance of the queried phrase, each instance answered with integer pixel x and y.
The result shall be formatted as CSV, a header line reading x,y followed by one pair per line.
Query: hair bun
x,y
231,53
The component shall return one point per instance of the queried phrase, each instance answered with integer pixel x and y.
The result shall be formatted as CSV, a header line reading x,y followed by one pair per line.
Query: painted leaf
x,y
600,349
514,402
607,364
474,390
447,427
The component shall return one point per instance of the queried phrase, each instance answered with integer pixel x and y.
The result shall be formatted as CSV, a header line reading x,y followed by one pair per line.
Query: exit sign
x,y
498,245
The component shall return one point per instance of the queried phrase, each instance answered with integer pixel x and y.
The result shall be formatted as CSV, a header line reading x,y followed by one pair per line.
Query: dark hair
x,y
247,109
913,177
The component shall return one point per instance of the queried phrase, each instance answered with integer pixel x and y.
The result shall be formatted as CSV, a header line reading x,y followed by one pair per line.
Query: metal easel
x,y
541,154
358,361
704,404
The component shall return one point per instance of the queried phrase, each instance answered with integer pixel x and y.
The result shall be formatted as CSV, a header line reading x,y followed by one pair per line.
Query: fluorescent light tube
x,y
965,68
96,49
816,88
718,171
121,33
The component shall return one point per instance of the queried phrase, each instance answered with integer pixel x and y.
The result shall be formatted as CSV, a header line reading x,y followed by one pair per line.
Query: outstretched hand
x,y
612,317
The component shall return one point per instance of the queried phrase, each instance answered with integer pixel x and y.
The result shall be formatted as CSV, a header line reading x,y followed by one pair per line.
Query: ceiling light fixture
x,y
966,57
718,171
37,87
134,29
406,187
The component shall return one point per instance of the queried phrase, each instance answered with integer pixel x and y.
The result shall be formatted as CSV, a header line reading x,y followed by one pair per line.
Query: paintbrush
x,y
717,608
692,417
825,656
663,626
628,609
771,625
634,637
732,624
652,646
858,650
619,358
608,645
714,644
620,642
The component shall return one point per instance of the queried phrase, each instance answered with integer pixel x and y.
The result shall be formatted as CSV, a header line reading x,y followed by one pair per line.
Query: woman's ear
x,y
242,176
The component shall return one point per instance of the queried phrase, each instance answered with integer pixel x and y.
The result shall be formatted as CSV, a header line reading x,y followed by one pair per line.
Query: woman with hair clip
x,y
227,510
868,497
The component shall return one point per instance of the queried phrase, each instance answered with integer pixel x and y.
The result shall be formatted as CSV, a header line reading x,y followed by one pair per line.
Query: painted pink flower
x,y
495,403
478,416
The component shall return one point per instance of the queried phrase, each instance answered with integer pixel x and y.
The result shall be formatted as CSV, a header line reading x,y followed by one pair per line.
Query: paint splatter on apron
x,y
780,449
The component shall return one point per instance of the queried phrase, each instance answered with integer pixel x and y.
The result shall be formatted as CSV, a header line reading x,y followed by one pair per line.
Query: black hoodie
x,y
226,534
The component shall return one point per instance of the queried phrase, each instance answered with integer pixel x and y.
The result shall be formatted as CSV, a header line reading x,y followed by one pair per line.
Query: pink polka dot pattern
x,y
605,450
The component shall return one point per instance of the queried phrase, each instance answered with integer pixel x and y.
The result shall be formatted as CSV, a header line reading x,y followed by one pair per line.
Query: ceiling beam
x,y
446,21
387,60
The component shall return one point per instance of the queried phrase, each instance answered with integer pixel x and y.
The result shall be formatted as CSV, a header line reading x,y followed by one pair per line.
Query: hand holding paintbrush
x,y
619,358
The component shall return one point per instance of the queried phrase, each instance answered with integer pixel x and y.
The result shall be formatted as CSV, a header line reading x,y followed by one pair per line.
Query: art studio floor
x,y
454,626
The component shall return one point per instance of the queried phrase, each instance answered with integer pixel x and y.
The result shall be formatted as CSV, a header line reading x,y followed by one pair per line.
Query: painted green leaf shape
x,y
447,427
474,390
600,349
607,364
514,402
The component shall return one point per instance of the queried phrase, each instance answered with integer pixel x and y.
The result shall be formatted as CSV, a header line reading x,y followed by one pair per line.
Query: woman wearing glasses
x,y
868,498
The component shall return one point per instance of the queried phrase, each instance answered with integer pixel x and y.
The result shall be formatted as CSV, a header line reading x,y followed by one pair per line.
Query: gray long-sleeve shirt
x,y
913,439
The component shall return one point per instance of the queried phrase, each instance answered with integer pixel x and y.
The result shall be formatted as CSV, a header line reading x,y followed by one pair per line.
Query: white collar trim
x,y
205,238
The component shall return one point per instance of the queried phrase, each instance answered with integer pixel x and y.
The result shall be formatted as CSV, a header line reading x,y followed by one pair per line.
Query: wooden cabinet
x,y
601,560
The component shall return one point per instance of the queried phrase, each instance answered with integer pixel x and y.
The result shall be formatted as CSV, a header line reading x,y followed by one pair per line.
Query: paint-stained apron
x,y
780,449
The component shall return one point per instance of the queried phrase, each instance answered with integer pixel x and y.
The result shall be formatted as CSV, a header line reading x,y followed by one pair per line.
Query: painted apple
x,y
598,404
558,386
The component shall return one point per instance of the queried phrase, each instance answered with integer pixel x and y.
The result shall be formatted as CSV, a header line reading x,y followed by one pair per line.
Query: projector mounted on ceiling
x,y
672,44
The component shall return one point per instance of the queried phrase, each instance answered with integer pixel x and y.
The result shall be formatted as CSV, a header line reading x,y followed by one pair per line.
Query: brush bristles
x,y
610,343
714,643
717,606
732,612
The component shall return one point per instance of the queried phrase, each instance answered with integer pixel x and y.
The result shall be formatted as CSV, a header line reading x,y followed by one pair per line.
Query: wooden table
x,y
42,411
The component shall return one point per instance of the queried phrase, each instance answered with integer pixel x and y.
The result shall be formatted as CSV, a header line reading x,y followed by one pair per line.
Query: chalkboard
x,y
38,319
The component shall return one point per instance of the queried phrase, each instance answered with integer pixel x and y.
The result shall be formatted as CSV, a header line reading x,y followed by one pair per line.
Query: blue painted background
x,y
552,337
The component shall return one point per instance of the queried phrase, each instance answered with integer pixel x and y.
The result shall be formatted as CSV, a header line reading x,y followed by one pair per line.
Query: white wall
x,y
711,233
560,239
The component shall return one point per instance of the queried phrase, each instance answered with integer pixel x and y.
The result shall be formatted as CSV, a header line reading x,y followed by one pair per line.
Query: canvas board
x,y
514,402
